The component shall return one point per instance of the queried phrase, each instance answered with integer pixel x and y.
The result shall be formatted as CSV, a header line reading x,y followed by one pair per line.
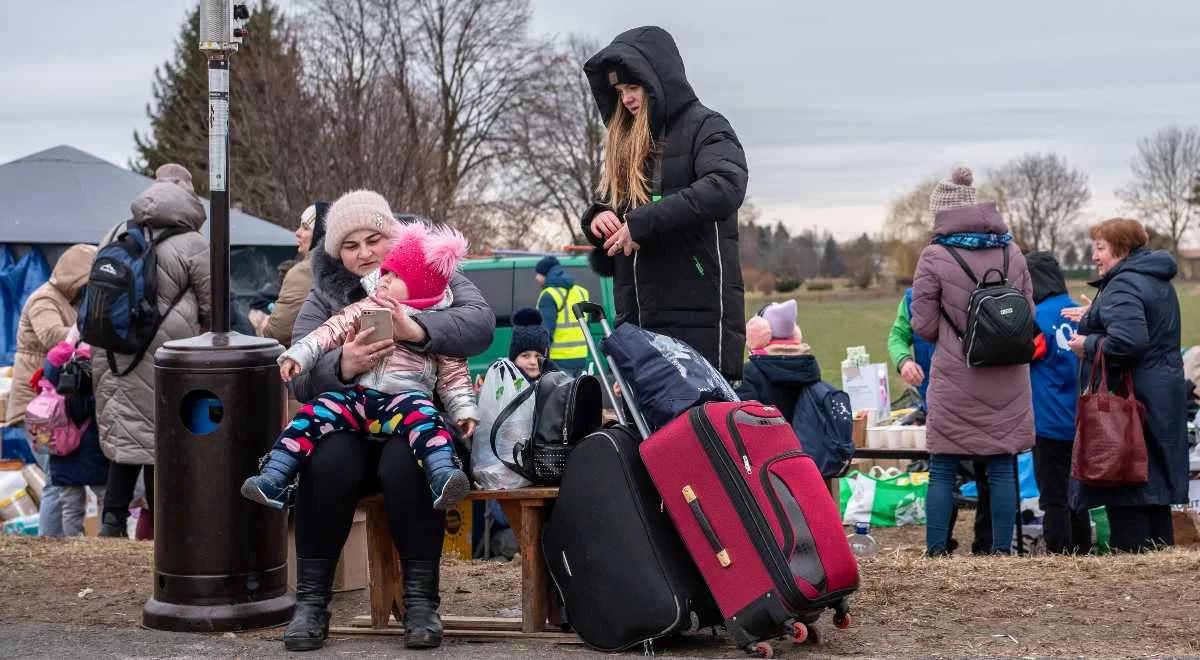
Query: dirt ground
x,y
1118,606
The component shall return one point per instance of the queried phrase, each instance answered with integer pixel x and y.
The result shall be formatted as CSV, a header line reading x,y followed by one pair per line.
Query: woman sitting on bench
x,y
343,470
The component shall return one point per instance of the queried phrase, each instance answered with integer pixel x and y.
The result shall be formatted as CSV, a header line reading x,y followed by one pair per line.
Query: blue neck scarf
x,y
969,240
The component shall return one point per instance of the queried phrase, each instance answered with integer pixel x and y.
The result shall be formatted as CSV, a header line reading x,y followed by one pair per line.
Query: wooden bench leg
x,y
534,580
383,564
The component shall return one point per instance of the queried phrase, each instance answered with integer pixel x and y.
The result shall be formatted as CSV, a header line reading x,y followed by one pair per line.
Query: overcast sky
x,y
841,105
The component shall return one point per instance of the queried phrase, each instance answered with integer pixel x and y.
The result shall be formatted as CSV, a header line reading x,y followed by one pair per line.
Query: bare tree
x,y
1164,172
557,135
907,229
1042,196
475,56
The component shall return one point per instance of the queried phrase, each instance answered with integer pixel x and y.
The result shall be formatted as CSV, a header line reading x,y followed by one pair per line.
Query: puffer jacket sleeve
x,y
194,255
328,336
324,375
47,321
461,330
1123,315
454,388
715,195
927,298
585,222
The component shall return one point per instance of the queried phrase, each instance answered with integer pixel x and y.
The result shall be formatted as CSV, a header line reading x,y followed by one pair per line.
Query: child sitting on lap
x,y
395,397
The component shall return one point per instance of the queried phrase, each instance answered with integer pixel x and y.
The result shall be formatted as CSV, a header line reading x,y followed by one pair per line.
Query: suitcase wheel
x,y
842,620
761,650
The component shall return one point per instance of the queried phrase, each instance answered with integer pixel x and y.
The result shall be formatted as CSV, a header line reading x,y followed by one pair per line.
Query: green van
x,y
507,284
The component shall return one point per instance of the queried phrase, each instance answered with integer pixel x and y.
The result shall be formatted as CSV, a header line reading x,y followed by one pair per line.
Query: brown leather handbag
x,y
1110,445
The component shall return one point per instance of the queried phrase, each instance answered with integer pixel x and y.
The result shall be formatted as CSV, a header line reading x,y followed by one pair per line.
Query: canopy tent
x,y
55,198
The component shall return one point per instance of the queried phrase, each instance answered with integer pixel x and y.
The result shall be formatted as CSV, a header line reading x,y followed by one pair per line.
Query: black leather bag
x,y
565,410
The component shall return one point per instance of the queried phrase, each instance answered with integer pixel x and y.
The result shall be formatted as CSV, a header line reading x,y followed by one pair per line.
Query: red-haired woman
x,y
1135,321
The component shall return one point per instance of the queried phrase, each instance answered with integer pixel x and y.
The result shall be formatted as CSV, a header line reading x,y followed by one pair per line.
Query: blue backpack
x,y
119,312
824,422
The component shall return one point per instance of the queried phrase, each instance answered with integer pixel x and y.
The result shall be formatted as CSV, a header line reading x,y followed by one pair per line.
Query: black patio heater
x,y
220,561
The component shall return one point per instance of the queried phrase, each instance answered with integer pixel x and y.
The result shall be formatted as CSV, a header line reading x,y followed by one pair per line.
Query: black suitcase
x,y
618,564
615,558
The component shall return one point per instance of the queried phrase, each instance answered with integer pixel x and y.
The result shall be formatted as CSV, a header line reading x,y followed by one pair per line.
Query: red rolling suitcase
x,y
756,518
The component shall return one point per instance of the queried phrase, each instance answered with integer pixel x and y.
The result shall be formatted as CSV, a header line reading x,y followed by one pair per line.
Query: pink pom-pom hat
x,y
425,258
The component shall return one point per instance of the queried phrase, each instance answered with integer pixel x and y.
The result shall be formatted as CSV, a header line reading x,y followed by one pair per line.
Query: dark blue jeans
x,y
939,503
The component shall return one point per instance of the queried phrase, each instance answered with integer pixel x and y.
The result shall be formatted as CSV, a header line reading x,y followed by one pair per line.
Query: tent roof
x,y
64,195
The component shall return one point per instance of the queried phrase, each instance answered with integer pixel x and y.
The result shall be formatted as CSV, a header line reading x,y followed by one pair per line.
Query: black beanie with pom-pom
x,y
528,333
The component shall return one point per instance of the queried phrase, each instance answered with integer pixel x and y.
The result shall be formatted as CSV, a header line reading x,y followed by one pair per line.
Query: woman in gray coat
x,y
974,412
125,404
1135,322
345,466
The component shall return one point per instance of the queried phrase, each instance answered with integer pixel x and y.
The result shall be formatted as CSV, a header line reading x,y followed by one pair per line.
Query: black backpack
x,y
119,312
565,410
1001,326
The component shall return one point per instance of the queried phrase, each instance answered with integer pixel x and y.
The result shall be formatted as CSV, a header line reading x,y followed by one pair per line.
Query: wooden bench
x,y
526,510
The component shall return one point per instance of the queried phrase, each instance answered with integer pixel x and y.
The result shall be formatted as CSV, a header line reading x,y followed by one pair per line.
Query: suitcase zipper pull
x,y
746,462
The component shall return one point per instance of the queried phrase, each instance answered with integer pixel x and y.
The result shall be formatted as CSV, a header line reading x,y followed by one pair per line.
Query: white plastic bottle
x,y
862,544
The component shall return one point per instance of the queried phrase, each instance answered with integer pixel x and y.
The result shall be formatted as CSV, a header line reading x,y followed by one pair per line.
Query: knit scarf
x,y
970,240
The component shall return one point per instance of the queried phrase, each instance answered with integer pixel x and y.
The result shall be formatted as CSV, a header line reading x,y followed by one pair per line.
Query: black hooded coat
x,y
686,280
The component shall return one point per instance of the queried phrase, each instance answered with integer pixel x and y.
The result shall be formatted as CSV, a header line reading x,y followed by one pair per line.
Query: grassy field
x,y
831,322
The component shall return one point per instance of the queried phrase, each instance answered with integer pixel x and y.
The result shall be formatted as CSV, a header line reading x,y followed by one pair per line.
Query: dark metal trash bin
x,y
220,560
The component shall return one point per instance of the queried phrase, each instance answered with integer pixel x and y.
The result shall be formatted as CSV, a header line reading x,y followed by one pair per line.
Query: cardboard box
x,y
859,430
351,571
868,388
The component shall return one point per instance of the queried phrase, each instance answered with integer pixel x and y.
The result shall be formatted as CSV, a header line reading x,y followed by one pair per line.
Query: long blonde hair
x,y
623,183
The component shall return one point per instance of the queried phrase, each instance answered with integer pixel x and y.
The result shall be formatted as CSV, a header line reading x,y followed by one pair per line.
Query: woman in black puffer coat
x,y
674,176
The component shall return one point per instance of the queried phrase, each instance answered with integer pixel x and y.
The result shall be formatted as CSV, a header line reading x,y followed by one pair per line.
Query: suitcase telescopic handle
x,y
584,312
718,548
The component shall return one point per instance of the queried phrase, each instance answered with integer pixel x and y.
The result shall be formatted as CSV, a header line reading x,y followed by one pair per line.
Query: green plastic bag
x,y
884,498
1099,517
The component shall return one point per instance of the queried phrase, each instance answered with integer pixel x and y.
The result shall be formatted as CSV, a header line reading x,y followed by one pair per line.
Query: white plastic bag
x,y
502,383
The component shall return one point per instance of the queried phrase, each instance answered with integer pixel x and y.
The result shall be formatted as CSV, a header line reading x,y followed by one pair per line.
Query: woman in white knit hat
x,y
357,232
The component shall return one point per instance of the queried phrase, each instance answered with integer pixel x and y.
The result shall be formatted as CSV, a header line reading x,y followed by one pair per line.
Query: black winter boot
x,y
422,625
314,589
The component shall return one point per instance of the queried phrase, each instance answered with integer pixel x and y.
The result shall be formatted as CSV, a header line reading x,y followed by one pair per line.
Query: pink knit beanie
x,y
425,258
361,209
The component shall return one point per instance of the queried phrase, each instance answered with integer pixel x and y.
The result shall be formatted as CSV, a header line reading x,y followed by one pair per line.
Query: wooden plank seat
x,y
526,509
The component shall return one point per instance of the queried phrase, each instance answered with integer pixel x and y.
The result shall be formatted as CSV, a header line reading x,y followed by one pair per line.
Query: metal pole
x,y
218,184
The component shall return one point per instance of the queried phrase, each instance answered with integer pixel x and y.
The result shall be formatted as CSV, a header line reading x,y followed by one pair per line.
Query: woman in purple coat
x,y
974,412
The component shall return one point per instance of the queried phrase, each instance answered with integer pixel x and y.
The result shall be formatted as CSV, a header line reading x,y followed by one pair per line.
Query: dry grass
x,y
1117,606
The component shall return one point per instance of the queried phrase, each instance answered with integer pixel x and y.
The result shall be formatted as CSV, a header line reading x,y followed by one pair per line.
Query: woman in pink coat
x,y
974,412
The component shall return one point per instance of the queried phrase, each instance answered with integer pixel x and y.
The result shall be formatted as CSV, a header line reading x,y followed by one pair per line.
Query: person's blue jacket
x,y
1054,373
557,278
86,466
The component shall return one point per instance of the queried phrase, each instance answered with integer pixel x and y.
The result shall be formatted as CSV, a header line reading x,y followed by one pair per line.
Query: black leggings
x,y
122,480
343,470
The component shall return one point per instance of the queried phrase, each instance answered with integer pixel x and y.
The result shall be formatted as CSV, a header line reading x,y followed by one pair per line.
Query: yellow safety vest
x,y
568,342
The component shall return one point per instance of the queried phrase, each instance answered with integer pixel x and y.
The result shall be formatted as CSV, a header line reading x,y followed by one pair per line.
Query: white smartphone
x,y
378,318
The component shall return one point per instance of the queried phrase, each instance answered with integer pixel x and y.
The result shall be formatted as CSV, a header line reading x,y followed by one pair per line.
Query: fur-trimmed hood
x,y
333,283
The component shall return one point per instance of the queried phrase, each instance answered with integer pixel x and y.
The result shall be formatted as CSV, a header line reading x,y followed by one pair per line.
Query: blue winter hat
x,y
546,265
528,333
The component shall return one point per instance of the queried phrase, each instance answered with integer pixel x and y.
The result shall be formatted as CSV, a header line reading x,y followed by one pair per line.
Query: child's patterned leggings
x,y
368,411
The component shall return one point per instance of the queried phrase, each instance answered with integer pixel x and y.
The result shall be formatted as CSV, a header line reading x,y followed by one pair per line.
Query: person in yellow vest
x,y
560,293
